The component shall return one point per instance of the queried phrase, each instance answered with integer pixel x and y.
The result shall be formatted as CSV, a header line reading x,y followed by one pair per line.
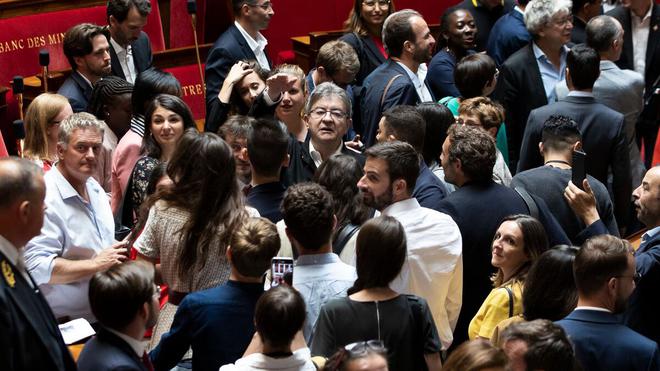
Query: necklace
x,y
557,162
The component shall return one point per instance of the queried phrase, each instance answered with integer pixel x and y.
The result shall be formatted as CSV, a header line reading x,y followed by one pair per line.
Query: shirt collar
x,y
258,44
519,10
645,17
9,250
577,93
84,78
400,206
66,189
118,48
138,346
540,54
316,155
598,309
651,233
316,259
413,77
607,65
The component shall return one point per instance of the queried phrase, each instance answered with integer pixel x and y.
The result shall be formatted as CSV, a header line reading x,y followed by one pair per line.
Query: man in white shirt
x,y
242,41
130,49
434,267
77,238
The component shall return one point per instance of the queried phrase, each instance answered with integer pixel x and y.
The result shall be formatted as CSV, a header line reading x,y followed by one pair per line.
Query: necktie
x,y
147,362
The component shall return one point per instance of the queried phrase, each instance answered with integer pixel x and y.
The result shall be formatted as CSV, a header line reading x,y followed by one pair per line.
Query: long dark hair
x,y
204,175
172,103
381,249
340,175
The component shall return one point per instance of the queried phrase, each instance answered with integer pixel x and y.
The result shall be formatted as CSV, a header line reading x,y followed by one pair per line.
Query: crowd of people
x,y
433,200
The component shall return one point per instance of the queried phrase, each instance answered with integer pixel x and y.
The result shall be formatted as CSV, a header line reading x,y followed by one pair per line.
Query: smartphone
x,y
579,171
281,271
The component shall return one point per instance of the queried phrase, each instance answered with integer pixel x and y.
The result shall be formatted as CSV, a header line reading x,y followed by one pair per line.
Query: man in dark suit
x,y
485,13
405,124
641,52
88,51
124,299
30,339
328,116
241,41
218,323
267,145
604,271
528,78
644,304
478,206
604,139
130,49
409,42
508,34
583,11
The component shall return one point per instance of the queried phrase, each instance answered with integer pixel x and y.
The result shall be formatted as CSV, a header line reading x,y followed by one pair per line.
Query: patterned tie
x,y
147,362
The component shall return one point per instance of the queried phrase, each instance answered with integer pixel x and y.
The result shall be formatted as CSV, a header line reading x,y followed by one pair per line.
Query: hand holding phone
x,y
579,172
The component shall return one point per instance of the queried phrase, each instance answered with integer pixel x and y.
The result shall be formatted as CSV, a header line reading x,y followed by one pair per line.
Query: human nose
x,y
636,192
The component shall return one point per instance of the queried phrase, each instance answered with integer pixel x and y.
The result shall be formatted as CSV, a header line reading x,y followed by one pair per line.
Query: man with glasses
x,y
328,117
242,41
604,271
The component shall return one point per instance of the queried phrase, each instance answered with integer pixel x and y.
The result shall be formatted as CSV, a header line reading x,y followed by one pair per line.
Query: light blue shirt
x,y
73,229
549,74
320,278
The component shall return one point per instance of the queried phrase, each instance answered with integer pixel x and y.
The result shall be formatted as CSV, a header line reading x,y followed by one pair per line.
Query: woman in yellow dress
x,y
518,242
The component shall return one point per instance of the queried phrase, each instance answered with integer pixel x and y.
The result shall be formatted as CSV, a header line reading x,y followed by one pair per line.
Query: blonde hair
x,y
295,71
38,117
490,114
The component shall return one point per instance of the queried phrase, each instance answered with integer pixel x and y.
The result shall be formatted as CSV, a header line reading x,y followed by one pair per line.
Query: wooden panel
x,y
14,8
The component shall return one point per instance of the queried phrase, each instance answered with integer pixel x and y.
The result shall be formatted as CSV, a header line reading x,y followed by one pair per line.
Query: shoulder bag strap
x,y
531,204
387,87
345,234
510,292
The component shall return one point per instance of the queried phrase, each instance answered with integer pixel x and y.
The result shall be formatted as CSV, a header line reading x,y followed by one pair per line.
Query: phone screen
x,y
282,271
578,168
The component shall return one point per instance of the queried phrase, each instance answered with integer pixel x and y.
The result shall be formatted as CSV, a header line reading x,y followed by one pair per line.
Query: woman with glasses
x,y
363,32
518,243
550,292
403,323
42,124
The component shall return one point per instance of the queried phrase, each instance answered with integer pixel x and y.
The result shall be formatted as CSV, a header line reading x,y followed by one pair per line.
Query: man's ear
x,y
577,146
286,161
541,148
228,254
24,211
399,186
391,138
60,151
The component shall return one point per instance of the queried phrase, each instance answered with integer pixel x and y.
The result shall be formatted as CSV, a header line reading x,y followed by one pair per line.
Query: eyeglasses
x,y
361,347
320,113
635,277
380,3
265,6
563,21
497,74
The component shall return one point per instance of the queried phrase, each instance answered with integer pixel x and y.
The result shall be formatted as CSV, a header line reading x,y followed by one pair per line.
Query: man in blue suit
x,y
644,305
508,34
124,299
605,274
241,41
218,323
398,81
88,51
130,48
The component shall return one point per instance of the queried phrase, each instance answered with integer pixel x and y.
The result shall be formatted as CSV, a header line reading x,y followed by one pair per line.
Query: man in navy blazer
x,y
124,299
409,42
130,48
30,339
241,41
508,34
604,271
644,305
88,51
603,136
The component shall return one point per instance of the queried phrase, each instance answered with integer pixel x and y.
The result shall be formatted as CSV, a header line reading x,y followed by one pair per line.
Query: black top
x,y
406,328
266,198
484,18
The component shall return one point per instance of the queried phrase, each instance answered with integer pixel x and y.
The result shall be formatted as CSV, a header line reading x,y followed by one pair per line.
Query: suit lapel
x,y
654,35
245,48
115,65
535,75
110,338
373,50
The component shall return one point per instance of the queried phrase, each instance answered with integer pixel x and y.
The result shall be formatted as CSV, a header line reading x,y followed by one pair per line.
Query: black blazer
x,y
142,56
77,90
30,338
478,210
644,303
368,54
230,48
108,352
520,90
652,49
603,139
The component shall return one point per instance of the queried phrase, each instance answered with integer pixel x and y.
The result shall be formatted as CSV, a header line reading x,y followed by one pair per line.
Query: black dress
x,y
404,323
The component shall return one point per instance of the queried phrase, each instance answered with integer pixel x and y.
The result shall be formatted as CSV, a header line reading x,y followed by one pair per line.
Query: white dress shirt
x,y
125,57
73,229
640,38
422,90
316,155
258,46
434,266
138,346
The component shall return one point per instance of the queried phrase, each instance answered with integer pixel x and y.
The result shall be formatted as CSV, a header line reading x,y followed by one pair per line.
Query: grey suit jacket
x,y
622,91
603,139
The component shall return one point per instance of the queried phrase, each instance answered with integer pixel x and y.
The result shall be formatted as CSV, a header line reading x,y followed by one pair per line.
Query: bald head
x,y
21,205
647,198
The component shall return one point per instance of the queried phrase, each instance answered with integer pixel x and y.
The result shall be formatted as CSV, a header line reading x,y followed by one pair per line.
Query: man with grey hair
x,y
400,80
528,78
77,238
619,89
328,113
30,339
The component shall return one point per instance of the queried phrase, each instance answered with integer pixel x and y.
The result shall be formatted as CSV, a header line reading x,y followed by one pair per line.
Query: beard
x,y
620,305
378,202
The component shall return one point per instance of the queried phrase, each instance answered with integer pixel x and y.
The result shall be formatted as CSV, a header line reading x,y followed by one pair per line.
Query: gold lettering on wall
x,y
31,42
196,89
